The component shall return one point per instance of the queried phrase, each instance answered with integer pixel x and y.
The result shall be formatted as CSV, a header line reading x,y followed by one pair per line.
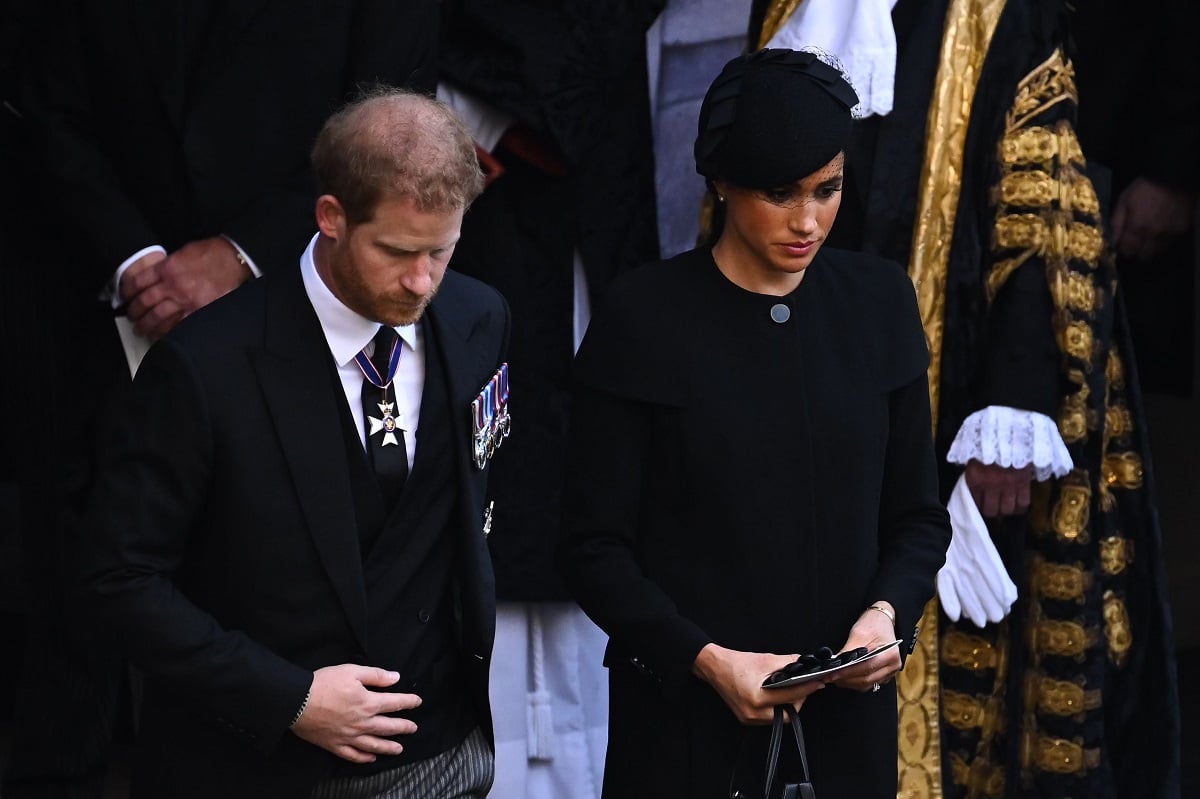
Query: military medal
x,y
389,424
503,422
489,417
388,421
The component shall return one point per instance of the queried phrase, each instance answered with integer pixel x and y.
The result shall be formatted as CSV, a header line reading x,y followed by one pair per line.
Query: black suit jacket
x,y
223,550
170,121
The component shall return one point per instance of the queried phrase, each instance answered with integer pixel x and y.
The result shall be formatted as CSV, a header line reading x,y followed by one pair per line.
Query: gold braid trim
x,y
1116,553
1117,629
965,41
1049,83
1122,470
1059,755
1072,511
1060,581
1061,697
777,13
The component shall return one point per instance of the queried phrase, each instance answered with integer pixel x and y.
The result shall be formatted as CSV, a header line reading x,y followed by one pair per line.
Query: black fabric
x,y
1003,351
712,448
573,73
519,237
389,460
408,571
772,117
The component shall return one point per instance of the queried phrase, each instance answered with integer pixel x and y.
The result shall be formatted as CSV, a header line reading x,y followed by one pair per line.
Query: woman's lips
x,y
798,247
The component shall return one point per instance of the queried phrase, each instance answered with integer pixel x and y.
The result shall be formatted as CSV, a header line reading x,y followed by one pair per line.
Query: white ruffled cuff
x,y
1013,438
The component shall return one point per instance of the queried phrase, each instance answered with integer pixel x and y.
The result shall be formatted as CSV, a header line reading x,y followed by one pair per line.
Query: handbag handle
x,y
805,788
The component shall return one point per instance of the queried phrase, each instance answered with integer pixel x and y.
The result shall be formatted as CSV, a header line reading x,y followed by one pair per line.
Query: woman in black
x,y
751,471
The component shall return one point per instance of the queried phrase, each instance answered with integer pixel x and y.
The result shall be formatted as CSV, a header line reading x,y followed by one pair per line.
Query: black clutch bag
x,y
786,773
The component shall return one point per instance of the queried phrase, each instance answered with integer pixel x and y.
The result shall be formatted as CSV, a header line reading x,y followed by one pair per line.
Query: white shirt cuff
x,y
254,270
112,292
486,123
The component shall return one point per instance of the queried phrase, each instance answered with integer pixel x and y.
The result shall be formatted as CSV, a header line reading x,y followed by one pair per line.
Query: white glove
x,y
973,582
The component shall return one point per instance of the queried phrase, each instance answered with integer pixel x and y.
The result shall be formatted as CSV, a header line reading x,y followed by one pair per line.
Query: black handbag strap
x,y
805,788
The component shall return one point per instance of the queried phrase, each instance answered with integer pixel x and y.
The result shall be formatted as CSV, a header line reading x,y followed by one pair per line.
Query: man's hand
x,y
999,490
1148,216
164,292
738,676
140,275
872,630
345,717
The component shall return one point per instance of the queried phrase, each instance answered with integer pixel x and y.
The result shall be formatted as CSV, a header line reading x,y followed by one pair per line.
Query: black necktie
x,y
385,436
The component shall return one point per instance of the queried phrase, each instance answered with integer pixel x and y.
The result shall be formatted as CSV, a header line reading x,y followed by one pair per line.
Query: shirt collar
x,y
346,331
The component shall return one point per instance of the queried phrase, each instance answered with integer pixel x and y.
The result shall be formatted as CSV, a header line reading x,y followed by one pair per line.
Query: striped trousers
x,y
464,772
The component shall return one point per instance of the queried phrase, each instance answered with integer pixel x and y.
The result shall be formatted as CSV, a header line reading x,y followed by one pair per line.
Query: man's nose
x,y
418,278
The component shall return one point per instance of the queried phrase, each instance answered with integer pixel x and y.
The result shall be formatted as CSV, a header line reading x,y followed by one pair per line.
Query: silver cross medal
x,y
389,424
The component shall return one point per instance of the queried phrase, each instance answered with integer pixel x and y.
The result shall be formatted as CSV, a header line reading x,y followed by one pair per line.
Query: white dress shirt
x,y
347,333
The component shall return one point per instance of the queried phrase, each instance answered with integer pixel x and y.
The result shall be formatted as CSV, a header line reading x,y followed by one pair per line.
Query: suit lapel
x,y
463,360
296,374
467,363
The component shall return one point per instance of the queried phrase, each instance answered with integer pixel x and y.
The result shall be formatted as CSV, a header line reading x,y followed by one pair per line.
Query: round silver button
x,y
780,313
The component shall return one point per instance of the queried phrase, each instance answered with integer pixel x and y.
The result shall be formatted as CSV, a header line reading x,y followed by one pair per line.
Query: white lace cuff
x,y
1012,437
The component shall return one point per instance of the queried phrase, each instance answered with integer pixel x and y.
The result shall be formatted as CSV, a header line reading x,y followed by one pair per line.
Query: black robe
x,y
1010,348
754,484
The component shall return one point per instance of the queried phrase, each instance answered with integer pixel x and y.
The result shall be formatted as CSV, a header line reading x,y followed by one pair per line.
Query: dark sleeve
x,y
1019,365
914,527
627,373
150,494
80,180
607,463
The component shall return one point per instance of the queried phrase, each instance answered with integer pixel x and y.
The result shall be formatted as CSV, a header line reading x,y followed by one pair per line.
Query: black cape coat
x,y
754,484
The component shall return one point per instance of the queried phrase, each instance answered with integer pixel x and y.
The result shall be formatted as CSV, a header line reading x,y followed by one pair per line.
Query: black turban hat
x,y
773,117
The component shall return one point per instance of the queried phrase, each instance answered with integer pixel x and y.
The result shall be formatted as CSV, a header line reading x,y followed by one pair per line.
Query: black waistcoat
x,y
409,556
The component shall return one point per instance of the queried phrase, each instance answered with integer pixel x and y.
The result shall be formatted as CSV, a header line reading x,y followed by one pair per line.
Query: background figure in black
x,y
994,208
558,100
1139,75
172,138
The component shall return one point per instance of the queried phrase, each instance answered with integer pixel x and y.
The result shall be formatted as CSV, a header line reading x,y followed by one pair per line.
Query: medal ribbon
x,y
372,374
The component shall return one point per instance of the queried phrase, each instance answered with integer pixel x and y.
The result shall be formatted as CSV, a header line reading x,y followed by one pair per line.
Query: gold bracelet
x,y
884,611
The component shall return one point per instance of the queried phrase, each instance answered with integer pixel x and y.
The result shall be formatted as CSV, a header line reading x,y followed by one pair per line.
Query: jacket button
x,y
423,616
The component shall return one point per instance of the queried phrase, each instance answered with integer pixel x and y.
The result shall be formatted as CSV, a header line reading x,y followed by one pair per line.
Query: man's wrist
x,y
242,258
300,712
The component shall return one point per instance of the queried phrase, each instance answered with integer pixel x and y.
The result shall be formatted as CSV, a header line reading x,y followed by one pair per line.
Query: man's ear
x,y
331,217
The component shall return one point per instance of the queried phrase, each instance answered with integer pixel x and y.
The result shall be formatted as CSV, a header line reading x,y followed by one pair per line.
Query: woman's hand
x,y
738,677
873,629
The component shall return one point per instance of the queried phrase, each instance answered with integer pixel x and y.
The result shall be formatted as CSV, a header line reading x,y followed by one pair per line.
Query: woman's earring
x,y
720,199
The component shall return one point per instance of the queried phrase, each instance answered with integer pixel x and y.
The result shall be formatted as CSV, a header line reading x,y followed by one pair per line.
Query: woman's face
x,y
771,236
